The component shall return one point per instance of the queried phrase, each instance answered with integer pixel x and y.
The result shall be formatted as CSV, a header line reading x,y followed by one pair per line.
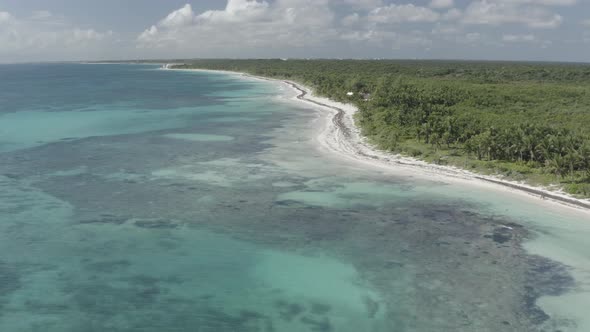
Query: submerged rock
x,y
155,224
9,279
106,219
289,311
317,325
320,309
545,277
372,306
502,235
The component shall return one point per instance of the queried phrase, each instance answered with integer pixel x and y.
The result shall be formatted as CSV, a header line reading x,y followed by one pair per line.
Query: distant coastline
x,y
343,137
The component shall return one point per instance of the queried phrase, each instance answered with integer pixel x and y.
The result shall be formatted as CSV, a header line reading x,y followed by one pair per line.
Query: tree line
x,y
399,110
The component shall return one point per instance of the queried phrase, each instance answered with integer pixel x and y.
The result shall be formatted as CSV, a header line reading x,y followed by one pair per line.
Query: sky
x,y
70,30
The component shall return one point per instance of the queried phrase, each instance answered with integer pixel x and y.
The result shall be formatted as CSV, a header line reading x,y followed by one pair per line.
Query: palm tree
x,y
557,164
572,156
543,149
528,145
584,155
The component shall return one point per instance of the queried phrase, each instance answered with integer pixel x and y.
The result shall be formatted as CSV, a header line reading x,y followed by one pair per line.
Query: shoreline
x,y
343,137
344,124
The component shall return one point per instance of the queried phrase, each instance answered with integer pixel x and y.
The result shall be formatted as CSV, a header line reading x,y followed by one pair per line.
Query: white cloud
x,y
148,34
41,15
361,4
445,30
403,13
5,17
523,39
351,19
250,28
25,38
390,39
244,25
454,34
452,15
442,3
178,18
413,39
236,11
308,28
526,38
490,12
539,2
473,37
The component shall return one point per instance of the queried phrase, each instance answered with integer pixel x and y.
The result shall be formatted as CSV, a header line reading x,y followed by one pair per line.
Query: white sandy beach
x,y
342,137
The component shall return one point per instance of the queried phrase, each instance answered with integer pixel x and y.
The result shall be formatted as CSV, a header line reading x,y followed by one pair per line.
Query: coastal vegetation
x,y
524,121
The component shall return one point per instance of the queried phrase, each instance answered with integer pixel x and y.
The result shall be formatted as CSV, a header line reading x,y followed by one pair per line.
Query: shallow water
x,y
135,199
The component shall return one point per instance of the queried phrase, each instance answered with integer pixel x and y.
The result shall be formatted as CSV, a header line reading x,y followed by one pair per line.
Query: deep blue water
x,y
137,199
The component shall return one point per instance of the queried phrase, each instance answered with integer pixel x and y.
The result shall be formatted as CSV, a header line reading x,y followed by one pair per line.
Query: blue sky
x,y
39,30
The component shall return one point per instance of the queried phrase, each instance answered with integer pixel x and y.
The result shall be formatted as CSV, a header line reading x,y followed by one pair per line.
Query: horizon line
x,y
167,60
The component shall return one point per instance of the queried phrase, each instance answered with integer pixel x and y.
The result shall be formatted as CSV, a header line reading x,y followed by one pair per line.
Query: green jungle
x,y
523,121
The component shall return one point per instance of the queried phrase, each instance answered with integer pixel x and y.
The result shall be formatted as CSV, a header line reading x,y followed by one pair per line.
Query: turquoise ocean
x,y
140,199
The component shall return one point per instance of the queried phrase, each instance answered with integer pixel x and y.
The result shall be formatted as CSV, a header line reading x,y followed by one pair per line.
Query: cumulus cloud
x,y
351,19
499,12
361,4
526,38
41,32
445,30
452,15
472,37
236,11
441,3
243,24
5,17
41,15
251,28
403,13
178,18
247,25
390,39
523,39
307,28
540,2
